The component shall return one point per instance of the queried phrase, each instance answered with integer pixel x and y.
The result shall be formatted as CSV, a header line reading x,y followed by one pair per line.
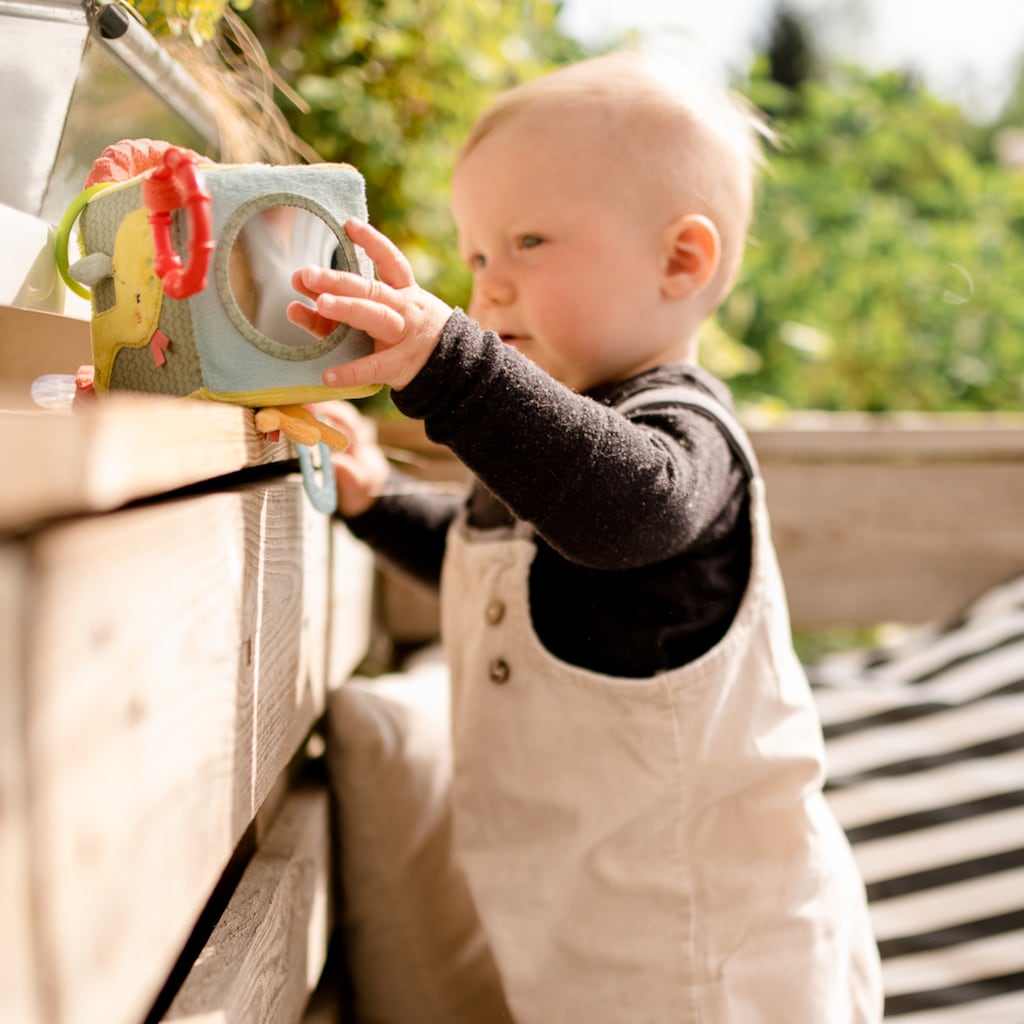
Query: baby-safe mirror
x,y
271,243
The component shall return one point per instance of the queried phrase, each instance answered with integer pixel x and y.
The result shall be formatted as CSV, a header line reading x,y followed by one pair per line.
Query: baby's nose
x,y
492,288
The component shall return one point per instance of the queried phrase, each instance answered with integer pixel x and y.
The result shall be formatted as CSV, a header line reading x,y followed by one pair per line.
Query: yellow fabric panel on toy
x,y
287,396
230,340
138,298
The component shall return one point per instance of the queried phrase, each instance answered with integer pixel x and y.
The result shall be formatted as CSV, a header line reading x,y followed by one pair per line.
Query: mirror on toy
x,y
272,244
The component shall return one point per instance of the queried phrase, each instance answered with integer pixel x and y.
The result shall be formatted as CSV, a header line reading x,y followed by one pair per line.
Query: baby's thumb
x,y
357,489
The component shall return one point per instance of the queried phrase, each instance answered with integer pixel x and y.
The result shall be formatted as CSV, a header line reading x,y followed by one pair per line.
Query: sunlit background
x,y
968,51
884,268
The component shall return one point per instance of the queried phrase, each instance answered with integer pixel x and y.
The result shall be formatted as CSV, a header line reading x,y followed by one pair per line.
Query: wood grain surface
x,y
17,937
169,678
122,448
264,958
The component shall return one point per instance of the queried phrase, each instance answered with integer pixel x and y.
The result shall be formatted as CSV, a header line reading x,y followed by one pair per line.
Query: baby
x,y
638,764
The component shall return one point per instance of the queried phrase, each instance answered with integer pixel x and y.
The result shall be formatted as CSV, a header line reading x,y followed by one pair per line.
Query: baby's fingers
x,y
345,417
313,281
299,284
380,322
392,266
384,366
309,319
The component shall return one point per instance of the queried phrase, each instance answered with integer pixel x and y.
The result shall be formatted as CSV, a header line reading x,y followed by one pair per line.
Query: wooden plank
x,y
792,436
316,599
410,609
17,965
124,447
266,954
893,518
168,685
861,544
876,518
901,437
351,605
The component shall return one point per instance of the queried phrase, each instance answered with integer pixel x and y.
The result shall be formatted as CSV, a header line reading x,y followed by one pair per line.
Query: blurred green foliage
x,y
393,87
196,18
884,267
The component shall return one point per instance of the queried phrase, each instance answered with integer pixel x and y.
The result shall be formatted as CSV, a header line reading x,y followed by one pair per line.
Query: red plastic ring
x,y
172,185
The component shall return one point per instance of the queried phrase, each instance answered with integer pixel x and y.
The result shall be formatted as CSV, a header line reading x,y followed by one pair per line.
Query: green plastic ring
x,y
67,222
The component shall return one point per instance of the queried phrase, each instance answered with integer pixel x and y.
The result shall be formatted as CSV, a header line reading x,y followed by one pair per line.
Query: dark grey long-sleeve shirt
x,y
642,523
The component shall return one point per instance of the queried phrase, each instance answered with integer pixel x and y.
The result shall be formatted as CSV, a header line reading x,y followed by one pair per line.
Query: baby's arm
x,y
577,470
605,491
404,320
403,522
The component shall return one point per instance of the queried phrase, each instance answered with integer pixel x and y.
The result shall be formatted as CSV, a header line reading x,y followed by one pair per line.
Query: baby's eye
x,y
530,241
477,261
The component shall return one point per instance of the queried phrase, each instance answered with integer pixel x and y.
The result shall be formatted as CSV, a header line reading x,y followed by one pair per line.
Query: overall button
x,y
498,671
494,612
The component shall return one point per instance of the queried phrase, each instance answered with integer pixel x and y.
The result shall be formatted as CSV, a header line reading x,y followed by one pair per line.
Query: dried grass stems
x,y
233,72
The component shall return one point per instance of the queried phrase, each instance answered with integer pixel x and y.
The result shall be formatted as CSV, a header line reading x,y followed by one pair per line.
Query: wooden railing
x,y
896,518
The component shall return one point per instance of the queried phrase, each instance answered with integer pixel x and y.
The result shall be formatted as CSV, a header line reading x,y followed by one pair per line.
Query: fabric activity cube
x,y
229,338
188,268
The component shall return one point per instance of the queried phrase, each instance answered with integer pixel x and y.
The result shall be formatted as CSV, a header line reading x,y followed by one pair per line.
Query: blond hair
x,y
687,142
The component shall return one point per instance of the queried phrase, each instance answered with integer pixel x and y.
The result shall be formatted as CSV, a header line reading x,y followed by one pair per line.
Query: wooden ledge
x,y
813,436
123,448
857,437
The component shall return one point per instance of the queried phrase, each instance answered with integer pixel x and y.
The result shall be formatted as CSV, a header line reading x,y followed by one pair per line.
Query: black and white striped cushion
x,y
925,742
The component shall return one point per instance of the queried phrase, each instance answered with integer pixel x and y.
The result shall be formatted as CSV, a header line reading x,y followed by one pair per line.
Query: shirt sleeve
x,y
604,491
408,526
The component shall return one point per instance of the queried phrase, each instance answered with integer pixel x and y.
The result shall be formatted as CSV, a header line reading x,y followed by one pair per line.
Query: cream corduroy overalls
x,y
653,851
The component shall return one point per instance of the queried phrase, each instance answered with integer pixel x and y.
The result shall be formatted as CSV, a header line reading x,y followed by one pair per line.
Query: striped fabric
x,y
925,743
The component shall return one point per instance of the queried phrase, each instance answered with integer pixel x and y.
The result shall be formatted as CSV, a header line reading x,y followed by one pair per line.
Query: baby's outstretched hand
x,y
361,470
403,319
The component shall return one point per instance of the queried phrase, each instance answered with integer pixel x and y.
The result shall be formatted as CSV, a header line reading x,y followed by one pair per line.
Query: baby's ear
x,y
691,252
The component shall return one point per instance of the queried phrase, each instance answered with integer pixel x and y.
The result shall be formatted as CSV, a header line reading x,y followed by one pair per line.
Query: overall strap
x,y
707,406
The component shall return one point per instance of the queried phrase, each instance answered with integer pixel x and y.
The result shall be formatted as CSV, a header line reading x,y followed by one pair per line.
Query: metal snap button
x,y
494,612
498,671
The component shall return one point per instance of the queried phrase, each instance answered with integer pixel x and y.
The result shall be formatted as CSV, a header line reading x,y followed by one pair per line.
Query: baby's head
x,y
636,147
674,141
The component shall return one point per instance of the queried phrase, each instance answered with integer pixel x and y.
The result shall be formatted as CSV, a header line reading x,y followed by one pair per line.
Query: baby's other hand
x,y
361,471
404,320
